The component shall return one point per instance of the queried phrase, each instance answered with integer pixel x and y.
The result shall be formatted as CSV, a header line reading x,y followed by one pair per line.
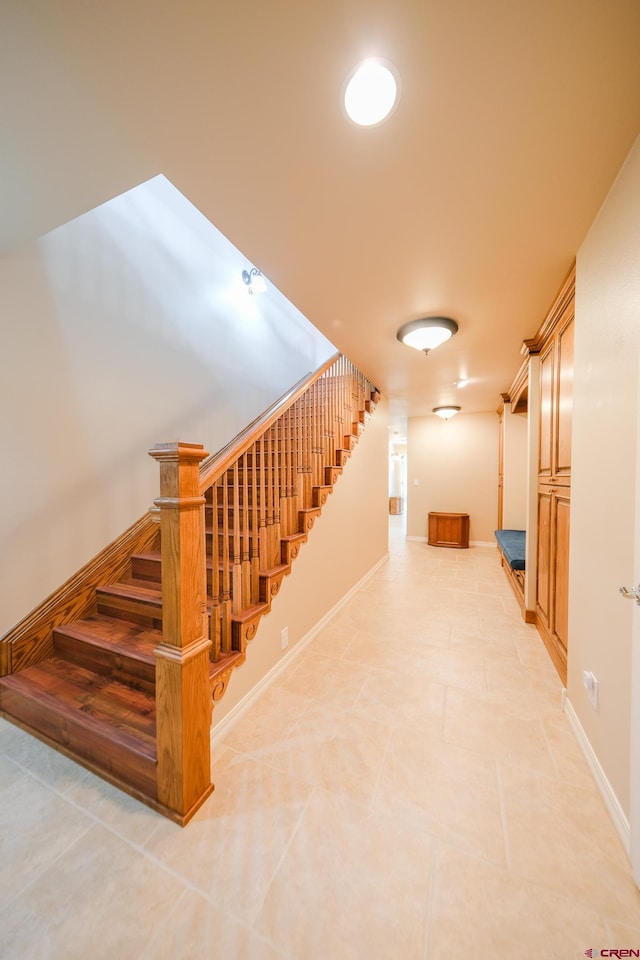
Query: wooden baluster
x,y
246,545
275,542
225,604
256,525
320,430
283,456
307,444
214,556
292,503
183,695
236,569
264,506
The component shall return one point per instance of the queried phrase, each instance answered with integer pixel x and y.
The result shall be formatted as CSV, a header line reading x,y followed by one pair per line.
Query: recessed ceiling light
x,y
460,384
371,92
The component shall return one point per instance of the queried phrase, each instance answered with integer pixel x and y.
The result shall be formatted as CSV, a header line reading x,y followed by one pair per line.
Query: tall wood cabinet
x,y
554,345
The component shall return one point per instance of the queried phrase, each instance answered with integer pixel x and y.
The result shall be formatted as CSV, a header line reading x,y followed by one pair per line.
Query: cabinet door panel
x,y
546,411
564,410
561,512
544,553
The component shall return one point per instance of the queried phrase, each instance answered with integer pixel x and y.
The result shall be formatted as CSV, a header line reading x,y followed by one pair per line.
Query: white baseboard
x,y
607,792
243,705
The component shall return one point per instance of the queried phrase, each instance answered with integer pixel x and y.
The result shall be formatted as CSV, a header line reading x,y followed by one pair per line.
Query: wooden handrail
x,y
218,462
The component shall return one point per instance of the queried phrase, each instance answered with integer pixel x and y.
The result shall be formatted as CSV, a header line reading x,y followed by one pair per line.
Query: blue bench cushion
x,y
512,544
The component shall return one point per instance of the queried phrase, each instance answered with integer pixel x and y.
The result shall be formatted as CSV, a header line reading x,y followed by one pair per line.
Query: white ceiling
x,y
470,201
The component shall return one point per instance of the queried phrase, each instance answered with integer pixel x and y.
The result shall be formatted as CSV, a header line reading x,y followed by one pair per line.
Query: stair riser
x,y
123,608
140,675
97,751
146,568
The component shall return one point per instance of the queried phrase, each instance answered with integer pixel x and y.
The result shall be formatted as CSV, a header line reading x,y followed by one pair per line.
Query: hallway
x,y
407,789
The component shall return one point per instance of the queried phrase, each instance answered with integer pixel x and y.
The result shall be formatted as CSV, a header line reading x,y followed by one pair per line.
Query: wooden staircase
x,y
122,674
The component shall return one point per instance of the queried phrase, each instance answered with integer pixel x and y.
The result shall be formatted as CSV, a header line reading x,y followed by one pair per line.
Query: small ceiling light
x,y
254,280
460,384
371,92
427,333
446,412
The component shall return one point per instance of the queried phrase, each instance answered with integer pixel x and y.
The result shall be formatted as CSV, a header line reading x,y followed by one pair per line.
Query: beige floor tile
x,y
36,827
233,845
451,668
559,834
83,906
42,761
341,751
352,885
10,773
568,758
402,701
266,722
113,808
483,911
621,936
477,725
326,679
445,790
508,681
198,929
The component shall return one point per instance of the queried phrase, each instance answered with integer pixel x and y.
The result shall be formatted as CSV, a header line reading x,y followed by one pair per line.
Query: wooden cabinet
x,y
555,347
449,530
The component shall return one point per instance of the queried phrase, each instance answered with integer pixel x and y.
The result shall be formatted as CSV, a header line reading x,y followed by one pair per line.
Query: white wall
x,y
456,465
604,472
346,542
124,328
514,502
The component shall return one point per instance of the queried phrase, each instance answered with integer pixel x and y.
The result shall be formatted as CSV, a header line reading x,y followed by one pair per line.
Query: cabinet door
x,y
546,411
561,514
564,402
543,590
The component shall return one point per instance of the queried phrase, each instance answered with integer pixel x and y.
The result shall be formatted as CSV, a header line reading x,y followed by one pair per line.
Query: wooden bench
x,y
512,546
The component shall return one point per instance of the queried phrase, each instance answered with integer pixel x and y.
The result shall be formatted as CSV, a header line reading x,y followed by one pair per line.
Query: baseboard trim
x,y
607,792
472,543
243,705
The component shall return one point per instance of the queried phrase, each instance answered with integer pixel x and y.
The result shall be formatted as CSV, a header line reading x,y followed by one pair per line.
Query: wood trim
x,y
519,390
555,651
218,462
564,297
29,641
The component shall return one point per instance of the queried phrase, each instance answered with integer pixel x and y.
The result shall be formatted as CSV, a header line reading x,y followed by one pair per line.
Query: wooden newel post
x,y
183,697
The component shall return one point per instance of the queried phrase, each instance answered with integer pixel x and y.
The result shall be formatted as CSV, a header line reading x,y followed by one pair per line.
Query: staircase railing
x,y
230,529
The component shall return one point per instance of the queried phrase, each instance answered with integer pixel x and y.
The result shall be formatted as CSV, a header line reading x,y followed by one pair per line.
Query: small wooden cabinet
x,y
449,530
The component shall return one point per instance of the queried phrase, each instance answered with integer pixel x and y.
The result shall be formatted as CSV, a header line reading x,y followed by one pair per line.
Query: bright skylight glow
x,y
371,93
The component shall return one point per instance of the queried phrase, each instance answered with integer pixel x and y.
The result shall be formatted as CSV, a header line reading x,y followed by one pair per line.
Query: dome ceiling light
x,y
446,412
371,92
427,333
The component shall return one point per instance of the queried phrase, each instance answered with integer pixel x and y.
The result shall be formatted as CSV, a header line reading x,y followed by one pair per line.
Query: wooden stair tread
x,y
111,710
116,636
145,591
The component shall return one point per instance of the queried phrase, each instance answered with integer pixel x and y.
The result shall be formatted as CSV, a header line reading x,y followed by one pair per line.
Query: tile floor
x,y
407,789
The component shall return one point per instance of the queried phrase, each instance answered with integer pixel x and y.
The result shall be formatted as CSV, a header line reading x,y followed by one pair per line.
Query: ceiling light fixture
x,y
446,412
371,92
460,384
254,280
427,333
